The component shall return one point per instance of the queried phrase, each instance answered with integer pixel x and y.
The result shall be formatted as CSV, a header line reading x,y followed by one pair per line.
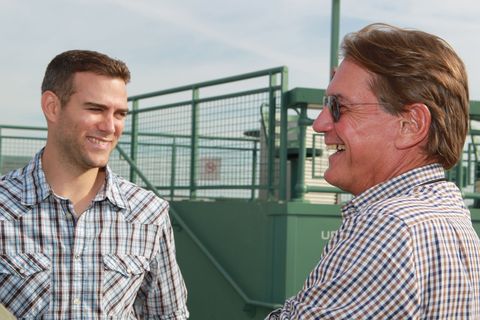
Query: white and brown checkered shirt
x,y
117,261
406,250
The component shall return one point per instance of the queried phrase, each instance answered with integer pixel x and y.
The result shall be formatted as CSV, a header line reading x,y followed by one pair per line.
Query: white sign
x,y
210,169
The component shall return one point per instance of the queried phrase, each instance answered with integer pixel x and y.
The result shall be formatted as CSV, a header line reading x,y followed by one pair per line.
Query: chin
x,y
329,176
96,163
336,181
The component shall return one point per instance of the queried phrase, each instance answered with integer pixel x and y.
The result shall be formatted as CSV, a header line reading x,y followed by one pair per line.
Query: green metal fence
x,y
215,139
240,137
18,144
202,141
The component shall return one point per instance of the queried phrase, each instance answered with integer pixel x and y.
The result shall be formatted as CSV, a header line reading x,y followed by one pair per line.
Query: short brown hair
x,y
60,71
411,66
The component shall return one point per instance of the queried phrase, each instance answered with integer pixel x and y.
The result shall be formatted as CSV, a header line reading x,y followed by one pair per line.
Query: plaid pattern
x,y
406,250
117,261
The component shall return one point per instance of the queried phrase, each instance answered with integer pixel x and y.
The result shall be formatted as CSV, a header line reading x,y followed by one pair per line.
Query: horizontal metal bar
x,y
22,127
310,188
23,138
204,100
471,195
214,187
187,136
210,83
185,146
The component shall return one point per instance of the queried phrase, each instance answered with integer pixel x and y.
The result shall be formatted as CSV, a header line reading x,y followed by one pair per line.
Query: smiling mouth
x,y
334,148
99,142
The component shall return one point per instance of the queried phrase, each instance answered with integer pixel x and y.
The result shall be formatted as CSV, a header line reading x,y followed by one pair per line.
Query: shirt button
x,y
76,257
76,301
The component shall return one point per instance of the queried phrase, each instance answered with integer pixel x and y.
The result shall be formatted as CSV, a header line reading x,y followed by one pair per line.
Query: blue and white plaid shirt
x,y
117,261
406,250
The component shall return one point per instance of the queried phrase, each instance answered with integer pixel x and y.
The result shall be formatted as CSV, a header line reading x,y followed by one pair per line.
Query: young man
x,y
396,116
76,240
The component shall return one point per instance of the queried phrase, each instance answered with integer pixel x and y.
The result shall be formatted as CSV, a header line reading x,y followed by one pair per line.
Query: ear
x,y
51,106
414,126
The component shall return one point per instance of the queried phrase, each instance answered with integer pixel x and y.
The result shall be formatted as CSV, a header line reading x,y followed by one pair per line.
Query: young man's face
x,y
363,135
92,121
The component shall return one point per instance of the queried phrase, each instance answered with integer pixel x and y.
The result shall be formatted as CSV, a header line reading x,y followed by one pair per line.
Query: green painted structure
x,y
243,172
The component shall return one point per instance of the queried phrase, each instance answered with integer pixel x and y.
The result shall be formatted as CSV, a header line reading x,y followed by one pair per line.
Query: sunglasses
x,y
332,103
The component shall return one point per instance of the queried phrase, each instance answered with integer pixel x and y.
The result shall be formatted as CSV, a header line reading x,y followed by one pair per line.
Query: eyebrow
x,y
102,106
342,99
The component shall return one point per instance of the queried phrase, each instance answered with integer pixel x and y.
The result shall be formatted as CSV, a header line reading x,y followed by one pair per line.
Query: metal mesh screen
x,y
217,139
229,153
17,147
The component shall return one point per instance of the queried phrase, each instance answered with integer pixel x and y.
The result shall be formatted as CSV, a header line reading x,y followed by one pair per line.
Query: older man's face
x,y
362,139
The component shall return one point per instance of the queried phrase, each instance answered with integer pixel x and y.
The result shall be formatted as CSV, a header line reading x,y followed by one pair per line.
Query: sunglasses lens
x,y
335,109
332,103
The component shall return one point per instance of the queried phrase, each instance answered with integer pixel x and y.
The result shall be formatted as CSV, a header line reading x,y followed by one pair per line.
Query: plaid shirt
x,y
116,261
406,250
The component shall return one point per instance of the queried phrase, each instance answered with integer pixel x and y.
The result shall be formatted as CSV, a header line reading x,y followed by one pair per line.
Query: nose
x,y
108,124
324,121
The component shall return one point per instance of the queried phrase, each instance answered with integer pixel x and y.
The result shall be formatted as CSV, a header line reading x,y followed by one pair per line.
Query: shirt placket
x,y
77,272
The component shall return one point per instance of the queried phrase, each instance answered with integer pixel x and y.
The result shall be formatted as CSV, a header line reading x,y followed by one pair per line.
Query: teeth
x,y
98,141
336,147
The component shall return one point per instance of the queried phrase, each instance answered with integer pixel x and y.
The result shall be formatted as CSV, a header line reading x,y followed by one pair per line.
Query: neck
x,y
78,185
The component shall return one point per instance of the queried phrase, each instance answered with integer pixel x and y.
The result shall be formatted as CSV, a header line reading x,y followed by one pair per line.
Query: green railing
x,y
209,140
197,141
18,144
248,144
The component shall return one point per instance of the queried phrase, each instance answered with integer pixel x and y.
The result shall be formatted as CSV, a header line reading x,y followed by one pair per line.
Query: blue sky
x,y
178,42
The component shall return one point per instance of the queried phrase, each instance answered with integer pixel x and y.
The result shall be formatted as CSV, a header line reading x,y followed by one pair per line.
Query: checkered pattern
x,y
406,250
116,261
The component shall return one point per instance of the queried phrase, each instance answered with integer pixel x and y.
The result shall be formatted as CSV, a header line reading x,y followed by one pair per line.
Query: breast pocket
x,y
25,283
123,276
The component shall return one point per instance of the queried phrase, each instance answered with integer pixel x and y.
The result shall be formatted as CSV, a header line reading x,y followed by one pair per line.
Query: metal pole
x,y
194,145
173,171
335,36
254,169
134,140
271,138
303,122
283,177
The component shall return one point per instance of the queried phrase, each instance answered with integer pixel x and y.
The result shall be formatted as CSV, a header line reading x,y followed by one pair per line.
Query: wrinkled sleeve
x,y
163,294
366,272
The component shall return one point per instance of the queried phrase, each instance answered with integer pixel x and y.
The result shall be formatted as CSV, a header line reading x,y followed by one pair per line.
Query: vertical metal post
x,y
299,191
173,170
469,163
335,35
271,138
459,175
194,145
283,177
254,168
134,140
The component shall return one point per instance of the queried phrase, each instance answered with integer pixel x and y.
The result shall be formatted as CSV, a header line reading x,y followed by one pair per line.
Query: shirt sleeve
x,y
163,294
366,272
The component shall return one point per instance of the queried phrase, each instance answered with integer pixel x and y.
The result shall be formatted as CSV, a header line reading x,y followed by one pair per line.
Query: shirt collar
x,y
394,187
36,188
111,190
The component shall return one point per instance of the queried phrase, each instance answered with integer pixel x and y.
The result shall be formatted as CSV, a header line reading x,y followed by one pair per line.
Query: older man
x,y
395,117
